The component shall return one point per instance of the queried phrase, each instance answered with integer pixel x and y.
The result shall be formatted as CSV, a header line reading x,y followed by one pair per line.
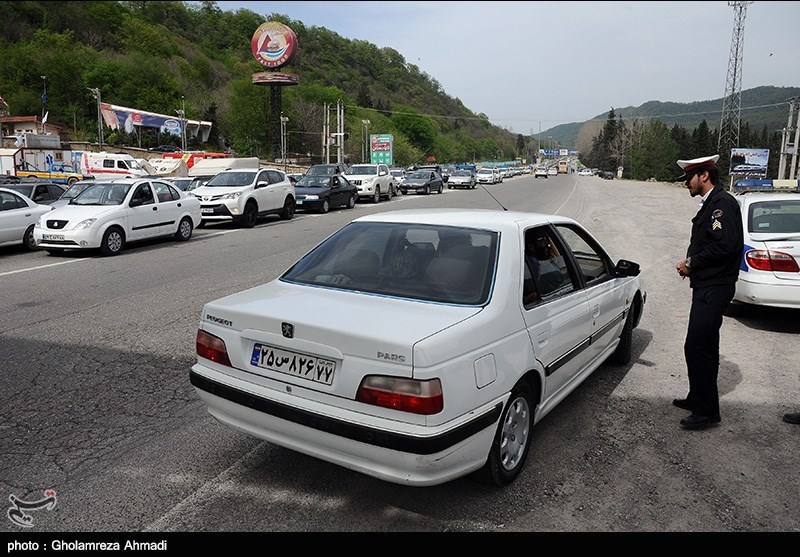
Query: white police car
x,y
769,273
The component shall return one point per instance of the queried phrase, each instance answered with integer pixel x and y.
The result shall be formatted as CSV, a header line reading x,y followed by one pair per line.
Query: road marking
x,y
44,266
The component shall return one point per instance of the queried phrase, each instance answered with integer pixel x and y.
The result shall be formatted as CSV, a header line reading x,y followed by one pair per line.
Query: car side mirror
x,y
626,268
261,184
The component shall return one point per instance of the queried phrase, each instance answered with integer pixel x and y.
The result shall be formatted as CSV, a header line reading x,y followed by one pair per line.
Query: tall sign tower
x,y
274,45
732,102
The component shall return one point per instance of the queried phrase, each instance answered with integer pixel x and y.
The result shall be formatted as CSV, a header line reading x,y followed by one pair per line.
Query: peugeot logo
x,y
287,329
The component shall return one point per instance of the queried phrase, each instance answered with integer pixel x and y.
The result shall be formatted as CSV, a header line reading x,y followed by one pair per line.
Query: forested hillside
x,y
147,55
152,55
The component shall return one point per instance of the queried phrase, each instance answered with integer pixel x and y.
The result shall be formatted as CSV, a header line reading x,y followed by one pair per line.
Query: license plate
x,y
315,369
206,210
299,202
52,236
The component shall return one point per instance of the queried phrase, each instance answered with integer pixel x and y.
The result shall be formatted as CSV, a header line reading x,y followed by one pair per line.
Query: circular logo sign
x,y
273,44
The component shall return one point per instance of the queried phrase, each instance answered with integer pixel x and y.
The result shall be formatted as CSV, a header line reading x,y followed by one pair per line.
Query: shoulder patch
x,y
716,214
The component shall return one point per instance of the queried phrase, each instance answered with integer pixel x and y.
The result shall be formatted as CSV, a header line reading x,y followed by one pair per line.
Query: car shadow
x,y
764,318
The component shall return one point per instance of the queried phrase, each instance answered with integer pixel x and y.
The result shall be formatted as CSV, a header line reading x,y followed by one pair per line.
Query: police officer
x,y
712,265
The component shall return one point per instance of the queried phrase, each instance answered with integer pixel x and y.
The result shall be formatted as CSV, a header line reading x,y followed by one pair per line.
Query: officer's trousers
x,y
701,348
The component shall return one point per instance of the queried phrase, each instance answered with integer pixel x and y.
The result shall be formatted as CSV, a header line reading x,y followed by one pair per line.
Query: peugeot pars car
x,y
420,346
110,213
769,274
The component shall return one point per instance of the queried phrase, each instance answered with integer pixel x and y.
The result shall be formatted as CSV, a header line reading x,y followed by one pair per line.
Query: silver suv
x,y
242,195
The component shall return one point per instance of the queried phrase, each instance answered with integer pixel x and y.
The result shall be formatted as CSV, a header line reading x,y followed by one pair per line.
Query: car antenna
x,y
493,197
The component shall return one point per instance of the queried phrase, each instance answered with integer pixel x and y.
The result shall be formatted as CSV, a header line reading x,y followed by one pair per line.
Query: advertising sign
x,y
273,44
117,117
381,149
749,162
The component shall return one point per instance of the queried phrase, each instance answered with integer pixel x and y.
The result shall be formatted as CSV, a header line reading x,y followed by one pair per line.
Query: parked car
x,y
72,192
399,174
585,172
461,179
43,193
328,168
486,176
422,181
607,175
471,362
320,193
769,274
181,182
540,172
108,214
243,195
18,216
372,180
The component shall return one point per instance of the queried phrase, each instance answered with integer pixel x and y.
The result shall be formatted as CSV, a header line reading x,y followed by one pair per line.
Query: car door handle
x,y
155,208
179,205
595,311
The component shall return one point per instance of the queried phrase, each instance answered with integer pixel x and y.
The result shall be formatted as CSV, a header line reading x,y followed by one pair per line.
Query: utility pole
x,y
326,133
284,119
96,92
732,101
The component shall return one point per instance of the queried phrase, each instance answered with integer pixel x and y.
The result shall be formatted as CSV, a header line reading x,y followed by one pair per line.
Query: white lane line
x,y
44,266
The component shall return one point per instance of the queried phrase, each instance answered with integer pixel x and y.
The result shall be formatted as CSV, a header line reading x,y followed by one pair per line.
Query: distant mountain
x,y
761,106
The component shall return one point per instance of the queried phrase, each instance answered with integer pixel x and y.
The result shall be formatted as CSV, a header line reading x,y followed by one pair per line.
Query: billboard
x,y
749,162
381,149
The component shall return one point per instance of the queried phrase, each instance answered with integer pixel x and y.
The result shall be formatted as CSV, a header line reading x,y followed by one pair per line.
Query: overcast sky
x,y
530,66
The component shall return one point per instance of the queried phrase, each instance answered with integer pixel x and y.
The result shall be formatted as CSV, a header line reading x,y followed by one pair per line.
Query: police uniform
x,y
713,258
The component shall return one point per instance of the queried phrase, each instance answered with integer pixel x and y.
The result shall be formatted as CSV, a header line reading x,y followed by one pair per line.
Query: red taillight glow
x,y
407,395
768,260
212,348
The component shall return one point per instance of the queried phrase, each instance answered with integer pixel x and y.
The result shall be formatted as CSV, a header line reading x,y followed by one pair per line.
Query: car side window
x,y
593,263
9,201
143,194
164,192
274,177
108,163
545,261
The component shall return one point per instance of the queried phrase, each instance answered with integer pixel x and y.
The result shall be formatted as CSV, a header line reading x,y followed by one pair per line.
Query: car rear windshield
x,y
775,217
429,263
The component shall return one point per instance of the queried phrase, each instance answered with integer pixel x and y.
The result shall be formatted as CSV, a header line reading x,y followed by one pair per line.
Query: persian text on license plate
x,y
52,236
206,210
312,368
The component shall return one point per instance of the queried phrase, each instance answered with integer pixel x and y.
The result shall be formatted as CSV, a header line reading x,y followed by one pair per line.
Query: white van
x,y
111,165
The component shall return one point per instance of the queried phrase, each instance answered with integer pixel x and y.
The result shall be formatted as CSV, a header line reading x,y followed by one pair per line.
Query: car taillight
x,y
407,395
212,348
769,260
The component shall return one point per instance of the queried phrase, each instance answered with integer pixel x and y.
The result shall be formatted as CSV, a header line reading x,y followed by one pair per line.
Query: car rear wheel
x,y
512,441
113,241
184,230
288,209
27,240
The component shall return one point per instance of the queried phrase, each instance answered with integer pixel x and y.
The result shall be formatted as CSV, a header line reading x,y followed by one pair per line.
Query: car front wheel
x,y
113,241
250,216
376,197
351,202
512,441
325,206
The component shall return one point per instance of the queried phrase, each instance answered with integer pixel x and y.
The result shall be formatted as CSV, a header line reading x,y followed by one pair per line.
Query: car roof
x,y
488,219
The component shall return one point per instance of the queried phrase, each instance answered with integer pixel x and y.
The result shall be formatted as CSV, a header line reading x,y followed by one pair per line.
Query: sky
x,y
530,66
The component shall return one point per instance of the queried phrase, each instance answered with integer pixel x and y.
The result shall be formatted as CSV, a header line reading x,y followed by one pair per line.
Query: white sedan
x,y
585,172
769,274
420,346
18,216
110,213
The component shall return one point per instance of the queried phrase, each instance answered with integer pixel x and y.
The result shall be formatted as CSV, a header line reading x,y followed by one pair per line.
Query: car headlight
x,y
312,197
234,195
367,181
84,224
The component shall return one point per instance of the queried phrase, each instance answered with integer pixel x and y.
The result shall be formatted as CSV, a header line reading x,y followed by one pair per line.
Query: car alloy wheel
x,y
184,230
27,240
250,216
376,197
325,207
351,202
427,190
288,209
113,241
512,440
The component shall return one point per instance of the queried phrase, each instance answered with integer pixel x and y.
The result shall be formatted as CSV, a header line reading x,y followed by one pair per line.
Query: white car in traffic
x,y
18,216
420,346
110,213
373,181
769,274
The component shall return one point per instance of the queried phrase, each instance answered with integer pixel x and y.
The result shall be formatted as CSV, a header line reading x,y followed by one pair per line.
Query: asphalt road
x,y
96,402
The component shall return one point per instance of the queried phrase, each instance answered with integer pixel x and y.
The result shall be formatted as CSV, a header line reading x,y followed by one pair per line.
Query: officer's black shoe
x,y
696,421
792,418
682,403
